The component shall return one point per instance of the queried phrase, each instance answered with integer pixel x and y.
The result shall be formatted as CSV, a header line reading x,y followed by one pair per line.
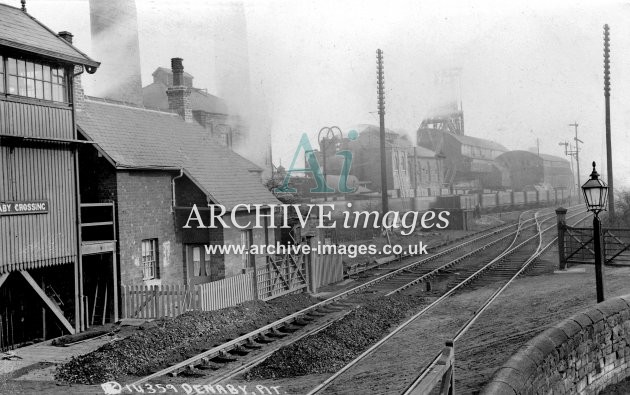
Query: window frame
x,y
151,266
34,78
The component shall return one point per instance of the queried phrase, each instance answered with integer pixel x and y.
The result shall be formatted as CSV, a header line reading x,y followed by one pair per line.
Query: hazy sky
x,y
529,69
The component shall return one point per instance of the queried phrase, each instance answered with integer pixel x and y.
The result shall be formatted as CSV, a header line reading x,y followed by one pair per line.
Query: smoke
x,y
232,68
115,44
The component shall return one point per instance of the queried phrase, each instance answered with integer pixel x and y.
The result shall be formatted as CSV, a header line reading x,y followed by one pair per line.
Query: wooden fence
x,y
141,301
326,269
227,292
281,275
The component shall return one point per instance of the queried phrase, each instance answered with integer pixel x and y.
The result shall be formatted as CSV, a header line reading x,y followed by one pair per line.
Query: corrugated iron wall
x,y
37,171
23,119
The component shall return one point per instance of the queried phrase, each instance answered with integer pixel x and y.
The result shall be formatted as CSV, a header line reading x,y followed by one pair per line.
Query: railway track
x,y
259,344
494,275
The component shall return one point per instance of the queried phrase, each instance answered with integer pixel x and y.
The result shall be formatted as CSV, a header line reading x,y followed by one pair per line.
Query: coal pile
x,y
329,350
168,341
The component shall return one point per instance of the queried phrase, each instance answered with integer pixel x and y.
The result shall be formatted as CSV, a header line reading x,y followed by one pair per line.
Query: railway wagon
x,y
543,196
561,195
518,199
488,200
504,199
531,197
466,202
469,202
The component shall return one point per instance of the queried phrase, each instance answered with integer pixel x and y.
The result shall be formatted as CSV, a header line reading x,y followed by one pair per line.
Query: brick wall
x,y
582,354
144,212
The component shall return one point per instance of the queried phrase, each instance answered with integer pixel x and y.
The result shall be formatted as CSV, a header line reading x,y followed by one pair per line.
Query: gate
x,y
281,275
616,245
576,245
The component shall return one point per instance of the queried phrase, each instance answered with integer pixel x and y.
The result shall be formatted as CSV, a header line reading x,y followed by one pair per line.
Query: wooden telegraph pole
x,y
611,190
380,81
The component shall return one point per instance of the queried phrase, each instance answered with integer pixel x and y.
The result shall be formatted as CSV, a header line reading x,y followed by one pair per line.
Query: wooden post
x,y
156,304
561,213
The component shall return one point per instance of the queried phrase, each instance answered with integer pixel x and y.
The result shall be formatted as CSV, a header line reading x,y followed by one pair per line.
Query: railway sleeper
x,y
251,345
223,357
289,329
300,322
239,351
274,333
262,339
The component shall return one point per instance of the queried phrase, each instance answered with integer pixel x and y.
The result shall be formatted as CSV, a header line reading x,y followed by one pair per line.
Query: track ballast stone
x,y
332,348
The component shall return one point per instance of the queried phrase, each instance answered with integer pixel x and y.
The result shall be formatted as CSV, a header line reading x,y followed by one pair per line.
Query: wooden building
x,y
40,213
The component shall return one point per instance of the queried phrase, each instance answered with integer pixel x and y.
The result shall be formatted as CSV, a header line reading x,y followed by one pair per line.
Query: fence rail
x,y
141,301
279,276
227,292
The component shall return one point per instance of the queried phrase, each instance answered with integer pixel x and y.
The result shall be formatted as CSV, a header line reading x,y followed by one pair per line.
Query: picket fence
x,y
141,301
227,292
277,277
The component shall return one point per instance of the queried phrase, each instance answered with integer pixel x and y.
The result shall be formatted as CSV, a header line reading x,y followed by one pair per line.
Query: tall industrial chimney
x,y
253,141
114,25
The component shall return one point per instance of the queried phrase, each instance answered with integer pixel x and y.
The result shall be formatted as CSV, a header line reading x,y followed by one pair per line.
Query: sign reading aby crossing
x,y
24,207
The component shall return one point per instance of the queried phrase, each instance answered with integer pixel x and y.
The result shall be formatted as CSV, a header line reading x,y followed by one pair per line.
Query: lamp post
x,y
322,138
595,196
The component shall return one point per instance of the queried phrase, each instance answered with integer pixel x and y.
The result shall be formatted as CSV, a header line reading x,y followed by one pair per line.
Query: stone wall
x,y
582,354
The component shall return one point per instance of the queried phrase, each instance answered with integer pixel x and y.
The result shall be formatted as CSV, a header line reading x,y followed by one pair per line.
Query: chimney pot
x,y
66,36
177,67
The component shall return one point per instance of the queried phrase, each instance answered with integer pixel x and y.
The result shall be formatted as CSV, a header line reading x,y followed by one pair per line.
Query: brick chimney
x,y
77,88
66,36
179,94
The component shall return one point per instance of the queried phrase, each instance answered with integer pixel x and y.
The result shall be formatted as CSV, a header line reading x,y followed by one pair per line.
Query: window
x,y
149,259
246,241
32,79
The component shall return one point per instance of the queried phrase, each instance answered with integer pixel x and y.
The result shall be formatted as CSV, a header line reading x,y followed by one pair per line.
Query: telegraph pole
x,y
380,82
611,189
577,156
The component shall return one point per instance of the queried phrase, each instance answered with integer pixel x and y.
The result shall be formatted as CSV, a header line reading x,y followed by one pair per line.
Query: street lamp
x,y
596,195
322,139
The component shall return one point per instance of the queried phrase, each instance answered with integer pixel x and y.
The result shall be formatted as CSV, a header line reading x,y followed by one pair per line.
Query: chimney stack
x,y
66,36
78,95
179,94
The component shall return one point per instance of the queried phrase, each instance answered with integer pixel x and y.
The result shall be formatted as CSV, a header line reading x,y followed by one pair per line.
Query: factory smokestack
x,y
253,140
114,25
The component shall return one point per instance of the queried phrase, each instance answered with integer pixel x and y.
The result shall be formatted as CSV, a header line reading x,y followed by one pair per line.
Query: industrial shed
x,y
524,170
469,161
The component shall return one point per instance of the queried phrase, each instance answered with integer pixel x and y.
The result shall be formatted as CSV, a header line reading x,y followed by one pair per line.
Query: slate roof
x,y
553,158
21,31
154,96
422,152
478,142
139,138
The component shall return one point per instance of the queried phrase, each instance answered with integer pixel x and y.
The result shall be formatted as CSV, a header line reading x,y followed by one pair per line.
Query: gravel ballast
x,y
332,348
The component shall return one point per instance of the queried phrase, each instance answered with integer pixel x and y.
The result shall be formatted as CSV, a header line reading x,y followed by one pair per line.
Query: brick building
x,y
207,110
155,165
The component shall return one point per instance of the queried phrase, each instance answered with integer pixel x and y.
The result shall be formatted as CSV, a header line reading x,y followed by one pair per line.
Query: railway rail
x,y
334,308
500,271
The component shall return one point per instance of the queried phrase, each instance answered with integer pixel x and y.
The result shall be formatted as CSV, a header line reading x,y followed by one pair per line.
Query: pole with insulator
x,y
380,80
